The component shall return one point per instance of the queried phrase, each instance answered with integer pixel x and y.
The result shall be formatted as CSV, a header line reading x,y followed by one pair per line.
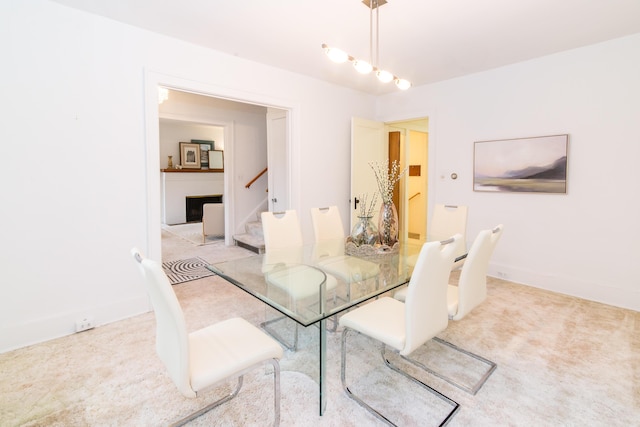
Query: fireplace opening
x,y
194,205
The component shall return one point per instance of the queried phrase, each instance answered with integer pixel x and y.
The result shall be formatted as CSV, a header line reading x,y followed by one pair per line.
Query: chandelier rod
x,y
377,63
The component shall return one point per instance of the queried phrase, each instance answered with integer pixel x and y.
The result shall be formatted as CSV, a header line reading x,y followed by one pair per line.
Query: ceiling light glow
x,y
364,67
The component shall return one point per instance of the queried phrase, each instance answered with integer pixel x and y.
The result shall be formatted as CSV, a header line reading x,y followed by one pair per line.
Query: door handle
x,y
355,203
274,200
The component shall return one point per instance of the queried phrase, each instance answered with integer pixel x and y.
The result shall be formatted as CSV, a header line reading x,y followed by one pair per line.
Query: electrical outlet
x,y
84,324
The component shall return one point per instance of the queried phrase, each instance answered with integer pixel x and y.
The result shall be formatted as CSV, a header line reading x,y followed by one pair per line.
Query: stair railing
x,y
256,178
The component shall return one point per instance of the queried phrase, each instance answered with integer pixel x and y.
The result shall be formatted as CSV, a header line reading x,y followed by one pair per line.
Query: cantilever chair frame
x,y
234,393
240,374
383,347
455,405
469,389
492,366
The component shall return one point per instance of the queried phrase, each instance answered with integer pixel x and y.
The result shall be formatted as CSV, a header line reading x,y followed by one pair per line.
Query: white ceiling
x,y
423,41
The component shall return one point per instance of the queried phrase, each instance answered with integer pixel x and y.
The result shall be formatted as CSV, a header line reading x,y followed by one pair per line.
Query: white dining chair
x,y
281,230
407,326
283,266
327,223
470,292
212,220
329,249
446,221
197,361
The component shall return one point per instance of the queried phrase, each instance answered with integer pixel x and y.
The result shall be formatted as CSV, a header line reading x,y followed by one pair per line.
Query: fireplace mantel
x,y
192,170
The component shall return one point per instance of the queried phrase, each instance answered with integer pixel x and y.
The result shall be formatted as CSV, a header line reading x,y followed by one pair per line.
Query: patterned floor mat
x,y
185,270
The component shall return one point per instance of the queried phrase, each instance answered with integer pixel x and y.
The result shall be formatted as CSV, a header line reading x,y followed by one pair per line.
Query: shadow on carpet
x,y
185,270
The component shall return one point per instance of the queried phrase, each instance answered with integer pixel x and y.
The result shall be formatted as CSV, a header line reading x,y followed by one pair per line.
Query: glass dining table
x,y
312,283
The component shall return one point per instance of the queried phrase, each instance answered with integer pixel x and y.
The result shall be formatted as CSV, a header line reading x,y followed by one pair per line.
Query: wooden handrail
x,y
415,195
256,178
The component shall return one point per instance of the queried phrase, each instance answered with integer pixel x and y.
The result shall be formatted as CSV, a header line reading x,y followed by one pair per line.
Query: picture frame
x,y
216,160
521,165
205,147
189,155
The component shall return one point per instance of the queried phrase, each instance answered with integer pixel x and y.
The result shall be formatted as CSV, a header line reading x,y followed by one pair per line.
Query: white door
x,y
277,178
368,143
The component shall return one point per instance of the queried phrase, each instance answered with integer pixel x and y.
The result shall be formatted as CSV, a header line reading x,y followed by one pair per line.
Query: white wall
x,y
74,160
584,243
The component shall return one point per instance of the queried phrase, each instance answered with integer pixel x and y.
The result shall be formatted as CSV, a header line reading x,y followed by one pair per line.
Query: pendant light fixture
x,y
362,66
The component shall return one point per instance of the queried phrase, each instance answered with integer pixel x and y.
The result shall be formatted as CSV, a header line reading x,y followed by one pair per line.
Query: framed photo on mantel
x,y
216,159
189,155
205,147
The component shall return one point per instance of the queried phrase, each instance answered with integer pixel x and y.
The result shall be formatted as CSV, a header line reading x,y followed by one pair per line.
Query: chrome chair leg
x,y
469,389
209,407
234,393
266,327
380,416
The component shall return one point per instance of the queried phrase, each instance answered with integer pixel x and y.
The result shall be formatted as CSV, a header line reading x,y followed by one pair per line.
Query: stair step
x,y
250,241
254,228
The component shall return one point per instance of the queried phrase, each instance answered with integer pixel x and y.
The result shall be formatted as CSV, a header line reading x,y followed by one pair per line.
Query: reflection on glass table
x,y
312,283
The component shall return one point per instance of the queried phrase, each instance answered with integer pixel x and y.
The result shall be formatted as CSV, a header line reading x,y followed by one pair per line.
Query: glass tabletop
x,y
313,282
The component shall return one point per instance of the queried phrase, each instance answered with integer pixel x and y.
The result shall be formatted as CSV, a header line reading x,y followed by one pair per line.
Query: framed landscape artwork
x,y
522,165
190,155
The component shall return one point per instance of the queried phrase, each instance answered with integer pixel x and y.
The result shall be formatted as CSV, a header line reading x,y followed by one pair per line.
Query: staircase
x,y
253,239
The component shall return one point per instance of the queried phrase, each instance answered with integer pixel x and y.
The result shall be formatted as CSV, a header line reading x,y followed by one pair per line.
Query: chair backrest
x,y
213,219
172,340
472,286
281,230
323,249
446,221
327,223
426,312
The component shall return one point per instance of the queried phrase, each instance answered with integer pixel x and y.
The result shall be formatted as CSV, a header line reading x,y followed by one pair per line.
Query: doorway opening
x,y
235,210
409,145
407,142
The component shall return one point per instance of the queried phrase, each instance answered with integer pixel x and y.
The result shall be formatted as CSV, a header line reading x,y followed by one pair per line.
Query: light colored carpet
x,y
192,232
562,361
175,248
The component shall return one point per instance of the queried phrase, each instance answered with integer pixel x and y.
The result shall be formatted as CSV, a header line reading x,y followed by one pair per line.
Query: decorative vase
x,y
170,162
388,224
364,232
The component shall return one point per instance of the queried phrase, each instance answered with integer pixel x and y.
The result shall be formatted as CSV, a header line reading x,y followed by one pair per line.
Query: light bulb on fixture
x,y
402,84
384,76
336,55
362,66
